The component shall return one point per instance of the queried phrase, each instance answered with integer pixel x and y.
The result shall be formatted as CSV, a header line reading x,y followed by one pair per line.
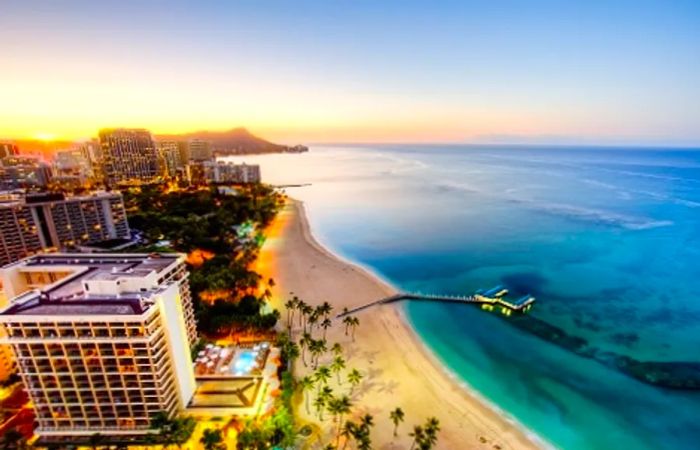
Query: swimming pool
x,y
244,362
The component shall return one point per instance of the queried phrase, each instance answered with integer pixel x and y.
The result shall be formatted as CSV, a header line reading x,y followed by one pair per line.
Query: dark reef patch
x,y
684,375
525,282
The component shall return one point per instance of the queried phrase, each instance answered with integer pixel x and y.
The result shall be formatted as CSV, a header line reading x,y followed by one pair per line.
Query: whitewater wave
x,y
591,215
653,176
671,199
594,215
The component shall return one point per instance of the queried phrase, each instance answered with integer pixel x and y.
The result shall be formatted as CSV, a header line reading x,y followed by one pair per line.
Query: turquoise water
x,y
607,239
244,362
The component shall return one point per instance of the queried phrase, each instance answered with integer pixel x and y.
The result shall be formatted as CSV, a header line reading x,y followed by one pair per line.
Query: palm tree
x,y
338,407
337,365
432,427
326,393
322,375
354,378
289,305
212,440
397,417
326,324
306,312
183,429
323,347
301,306
365,435
315,349
417,434
354,322
160,420
292,352
433,424
325,309
313,320
337,349
306,384
319,404
349,430
305,342
367,421
95,440
347,320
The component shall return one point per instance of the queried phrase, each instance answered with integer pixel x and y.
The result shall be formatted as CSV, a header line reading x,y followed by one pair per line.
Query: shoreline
x,y
536,439
396,360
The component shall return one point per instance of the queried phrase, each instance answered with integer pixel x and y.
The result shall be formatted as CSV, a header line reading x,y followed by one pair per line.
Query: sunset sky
x,y
608,72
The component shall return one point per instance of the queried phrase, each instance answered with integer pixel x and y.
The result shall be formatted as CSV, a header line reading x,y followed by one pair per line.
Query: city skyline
x,y
619,73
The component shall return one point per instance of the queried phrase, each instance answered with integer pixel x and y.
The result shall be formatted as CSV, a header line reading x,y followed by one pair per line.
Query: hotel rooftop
x,y
79,284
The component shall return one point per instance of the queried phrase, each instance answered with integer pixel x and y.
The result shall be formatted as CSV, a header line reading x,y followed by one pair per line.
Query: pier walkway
x,y
523,304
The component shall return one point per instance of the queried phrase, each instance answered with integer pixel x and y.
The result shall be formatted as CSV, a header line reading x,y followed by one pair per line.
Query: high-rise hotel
x,y
128,155
31,224
102,341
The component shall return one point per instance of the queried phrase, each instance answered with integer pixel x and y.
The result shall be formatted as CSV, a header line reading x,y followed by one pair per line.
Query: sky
x,y
557,72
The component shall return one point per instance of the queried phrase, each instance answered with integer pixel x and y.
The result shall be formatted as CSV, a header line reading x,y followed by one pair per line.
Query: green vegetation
x,y
222,234
13,439
172,430
274,431
212,440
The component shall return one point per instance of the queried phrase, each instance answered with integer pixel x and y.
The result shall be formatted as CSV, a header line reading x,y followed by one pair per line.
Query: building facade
x,y
8,149
102,341
72,169
200,150
207,172
24,172
30,224
128,156
169,154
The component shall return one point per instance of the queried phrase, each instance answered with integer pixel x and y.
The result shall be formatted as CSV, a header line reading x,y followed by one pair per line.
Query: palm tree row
x,y
424,437
308,316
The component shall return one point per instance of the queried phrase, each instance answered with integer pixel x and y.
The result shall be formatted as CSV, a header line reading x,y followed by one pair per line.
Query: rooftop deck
x,y
59,284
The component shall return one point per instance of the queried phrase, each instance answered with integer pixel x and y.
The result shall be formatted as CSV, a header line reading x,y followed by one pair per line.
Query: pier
x,y
488,300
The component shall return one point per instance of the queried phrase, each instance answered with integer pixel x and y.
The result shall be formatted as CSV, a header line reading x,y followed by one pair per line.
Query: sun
x,y
45,136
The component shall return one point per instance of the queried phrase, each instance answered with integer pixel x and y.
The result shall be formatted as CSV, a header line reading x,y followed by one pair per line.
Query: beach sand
x,y
399,371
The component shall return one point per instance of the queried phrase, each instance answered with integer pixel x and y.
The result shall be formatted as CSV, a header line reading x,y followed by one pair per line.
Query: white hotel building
x,y
102,341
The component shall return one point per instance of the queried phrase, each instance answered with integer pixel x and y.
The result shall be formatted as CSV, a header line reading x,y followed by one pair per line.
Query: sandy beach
x,y
399,371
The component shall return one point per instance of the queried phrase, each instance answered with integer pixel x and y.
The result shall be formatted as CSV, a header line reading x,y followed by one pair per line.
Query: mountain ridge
x,y
237,140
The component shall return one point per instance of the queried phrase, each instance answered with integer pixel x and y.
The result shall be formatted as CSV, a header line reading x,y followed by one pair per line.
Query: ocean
x,y
606,239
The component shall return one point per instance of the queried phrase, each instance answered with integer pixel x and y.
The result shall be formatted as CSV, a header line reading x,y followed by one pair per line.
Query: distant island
x,y
237,141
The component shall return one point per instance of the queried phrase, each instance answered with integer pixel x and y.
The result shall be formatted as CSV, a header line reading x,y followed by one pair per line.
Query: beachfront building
x,y
128,156
30,224
102,341
212,172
